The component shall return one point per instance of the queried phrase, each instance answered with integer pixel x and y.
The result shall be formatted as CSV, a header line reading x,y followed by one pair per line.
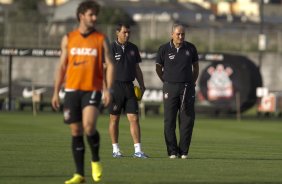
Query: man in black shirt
x,y
126,60
177,66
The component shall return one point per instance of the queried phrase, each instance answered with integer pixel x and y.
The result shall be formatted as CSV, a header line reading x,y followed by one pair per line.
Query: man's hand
x,y
107,98
56,101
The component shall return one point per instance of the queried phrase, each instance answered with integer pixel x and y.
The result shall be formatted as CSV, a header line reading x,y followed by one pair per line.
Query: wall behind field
x,y
271,69
40,71
223,38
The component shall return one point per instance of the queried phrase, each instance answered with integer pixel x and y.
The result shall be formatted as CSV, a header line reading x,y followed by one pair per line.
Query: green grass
x,y
36,150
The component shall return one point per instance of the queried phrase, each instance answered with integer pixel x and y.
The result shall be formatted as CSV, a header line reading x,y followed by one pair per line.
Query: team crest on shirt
x,y
187,53
66,114
132,53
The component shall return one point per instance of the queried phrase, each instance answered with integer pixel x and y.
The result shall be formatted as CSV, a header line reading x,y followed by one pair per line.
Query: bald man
x,y
177,67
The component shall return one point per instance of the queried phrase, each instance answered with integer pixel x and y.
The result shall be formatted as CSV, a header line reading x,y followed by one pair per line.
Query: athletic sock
x,y
137,147
116,148
78,150
94,143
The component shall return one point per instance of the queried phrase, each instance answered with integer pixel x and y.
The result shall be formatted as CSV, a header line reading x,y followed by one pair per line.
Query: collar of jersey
x,y
87,34
121,45
173,46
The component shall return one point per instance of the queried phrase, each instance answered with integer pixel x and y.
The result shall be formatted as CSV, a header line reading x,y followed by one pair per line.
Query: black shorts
x,y
75,101
123,99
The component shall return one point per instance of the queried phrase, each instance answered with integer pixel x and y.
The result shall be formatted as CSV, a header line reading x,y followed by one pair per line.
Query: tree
x,y
111,15
27,10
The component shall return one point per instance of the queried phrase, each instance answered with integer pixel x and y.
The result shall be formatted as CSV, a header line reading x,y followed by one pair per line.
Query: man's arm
x,y
109,73
160,62
159,70
139,78
60,73
195,72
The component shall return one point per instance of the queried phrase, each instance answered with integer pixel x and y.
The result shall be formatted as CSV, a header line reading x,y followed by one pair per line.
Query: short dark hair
x,y
86,5
122,24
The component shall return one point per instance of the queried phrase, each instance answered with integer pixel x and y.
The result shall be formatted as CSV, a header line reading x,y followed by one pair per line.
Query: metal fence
x,y
147,35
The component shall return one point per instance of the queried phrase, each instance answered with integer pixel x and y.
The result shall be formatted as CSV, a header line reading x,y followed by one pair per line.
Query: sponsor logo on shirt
x,y
117,56
83,51
171,56
75,63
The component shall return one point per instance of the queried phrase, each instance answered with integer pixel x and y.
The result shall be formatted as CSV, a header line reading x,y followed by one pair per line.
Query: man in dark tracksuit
x,y
126,60
177,66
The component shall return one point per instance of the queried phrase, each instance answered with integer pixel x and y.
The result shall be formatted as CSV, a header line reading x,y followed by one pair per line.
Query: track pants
x,y
179,98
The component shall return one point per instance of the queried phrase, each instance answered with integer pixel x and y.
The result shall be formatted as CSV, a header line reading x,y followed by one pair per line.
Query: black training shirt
x,y
125,59
177,63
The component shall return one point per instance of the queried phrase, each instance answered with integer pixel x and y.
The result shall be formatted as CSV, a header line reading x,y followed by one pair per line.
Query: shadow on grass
x,y
199,158
257,159
216,182
34,176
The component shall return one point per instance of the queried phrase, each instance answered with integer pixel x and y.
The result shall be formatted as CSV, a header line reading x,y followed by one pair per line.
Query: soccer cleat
x,y
76,179
96,171
184,156
117,154
172,157
140,155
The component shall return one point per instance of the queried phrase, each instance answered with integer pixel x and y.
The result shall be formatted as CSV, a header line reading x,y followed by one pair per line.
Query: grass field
x,y
36,150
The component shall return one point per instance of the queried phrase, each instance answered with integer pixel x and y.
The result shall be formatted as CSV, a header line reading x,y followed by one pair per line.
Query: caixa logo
x,y
83,51
153,95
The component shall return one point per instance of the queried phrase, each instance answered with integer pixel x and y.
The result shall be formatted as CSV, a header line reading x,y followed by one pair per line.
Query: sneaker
x,y
76,179
184,156
117,154
140,155
96,171
172,157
